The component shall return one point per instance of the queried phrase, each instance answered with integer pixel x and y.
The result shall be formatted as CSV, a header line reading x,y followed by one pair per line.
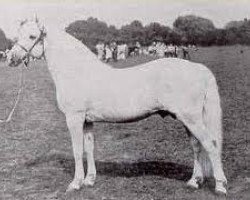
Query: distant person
x,y
108,53
100,50
122,51
113,47
185,51
138,48
152,49
171,50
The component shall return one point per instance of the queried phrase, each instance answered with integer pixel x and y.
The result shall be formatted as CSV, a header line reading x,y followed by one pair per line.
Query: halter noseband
x,y
28,54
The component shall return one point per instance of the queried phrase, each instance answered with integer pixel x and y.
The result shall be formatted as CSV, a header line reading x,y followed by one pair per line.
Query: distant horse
x,y
90,91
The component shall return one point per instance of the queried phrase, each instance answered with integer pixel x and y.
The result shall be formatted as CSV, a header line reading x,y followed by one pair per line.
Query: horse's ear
x,y
36,19
23,22
43,30
15,39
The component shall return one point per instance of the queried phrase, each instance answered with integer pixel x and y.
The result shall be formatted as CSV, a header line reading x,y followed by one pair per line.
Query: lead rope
x,y
17,99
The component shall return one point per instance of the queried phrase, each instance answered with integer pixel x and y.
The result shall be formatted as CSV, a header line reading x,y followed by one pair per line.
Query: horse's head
x,y
29,43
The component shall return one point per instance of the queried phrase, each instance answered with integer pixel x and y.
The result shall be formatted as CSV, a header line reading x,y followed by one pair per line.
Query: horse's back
x,y
170,68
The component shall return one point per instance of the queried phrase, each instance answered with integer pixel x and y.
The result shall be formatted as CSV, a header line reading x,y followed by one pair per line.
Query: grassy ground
x,y
147,160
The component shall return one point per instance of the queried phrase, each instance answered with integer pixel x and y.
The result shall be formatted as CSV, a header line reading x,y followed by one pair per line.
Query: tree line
x,y
189,29
5,43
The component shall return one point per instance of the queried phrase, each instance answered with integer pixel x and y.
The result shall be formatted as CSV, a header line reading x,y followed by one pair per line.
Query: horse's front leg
x,y
75,126
89,149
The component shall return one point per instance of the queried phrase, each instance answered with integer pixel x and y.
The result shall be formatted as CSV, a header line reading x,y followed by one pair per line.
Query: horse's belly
x,y
120,113
116,117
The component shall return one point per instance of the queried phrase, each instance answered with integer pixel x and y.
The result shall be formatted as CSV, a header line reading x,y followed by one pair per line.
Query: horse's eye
x,y
32,37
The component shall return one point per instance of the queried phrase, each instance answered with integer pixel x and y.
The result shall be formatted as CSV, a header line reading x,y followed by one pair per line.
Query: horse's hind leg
x,y
198,129
89,149
197,177
75,124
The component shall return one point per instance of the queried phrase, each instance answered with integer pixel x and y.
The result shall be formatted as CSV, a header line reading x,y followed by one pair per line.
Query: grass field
x,y
147,160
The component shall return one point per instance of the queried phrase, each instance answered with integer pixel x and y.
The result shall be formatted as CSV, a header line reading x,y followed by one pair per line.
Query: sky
x,y
119,12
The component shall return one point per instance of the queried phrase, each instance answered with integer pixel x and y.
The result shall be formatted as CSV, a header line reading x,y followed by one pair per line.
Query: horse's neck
x,y
66,54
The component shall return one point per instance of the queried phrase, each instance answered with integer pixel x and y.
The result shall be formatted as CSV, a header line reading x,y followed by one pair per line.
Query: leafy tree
x,y
194,29
5,43
154,32
238,32
132,32
188,29
89,31
234,24
157,32
220,37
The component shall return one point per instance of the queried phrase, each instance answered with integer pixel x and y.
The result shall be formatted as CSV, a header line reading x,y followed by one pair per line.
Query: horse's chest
x,y
69,97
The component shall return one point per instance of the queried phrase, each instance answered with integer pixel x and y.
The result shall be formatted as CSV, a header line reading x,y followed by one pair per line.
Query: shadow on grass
x,y
118,169
152,168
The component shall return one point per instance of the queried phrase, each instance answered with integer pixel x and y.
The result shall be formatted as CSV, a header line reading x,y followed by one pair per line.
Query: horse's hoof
x,y
89,180
221,191
220,188
192,183
74,185
195,182
72,188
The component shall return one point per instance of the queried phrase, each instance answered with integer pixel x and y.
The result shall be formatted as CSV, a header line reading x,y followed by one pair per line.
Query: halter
x,y
25,60
28,54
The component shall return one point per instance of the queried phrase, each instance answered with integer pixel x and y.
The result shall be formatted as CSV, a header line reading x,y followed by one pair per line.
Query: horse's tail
x,y
212,116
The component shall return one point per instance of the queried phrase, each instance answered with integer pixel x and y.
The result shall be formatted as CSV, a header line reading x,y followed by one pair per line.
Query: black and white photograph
x,y
124,100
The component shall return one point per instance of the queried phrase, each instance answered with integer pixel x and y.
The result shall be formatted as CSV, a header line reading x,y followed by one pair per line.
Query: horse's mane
x,y
72,49
73,46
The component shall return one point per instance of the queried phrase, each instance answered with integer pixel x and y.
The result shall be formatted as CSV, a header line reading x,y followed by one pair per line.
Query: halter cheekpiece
x,y
28,54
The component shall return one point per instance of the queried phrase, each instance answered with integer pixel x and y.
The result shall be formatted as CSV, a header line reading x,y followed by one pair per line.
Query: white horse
x,y
108,53
90,91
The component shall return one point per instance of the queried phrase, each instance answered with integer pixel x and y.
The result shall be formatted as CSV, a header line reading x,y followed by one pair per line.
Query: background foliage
x,y
5,43
189,29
